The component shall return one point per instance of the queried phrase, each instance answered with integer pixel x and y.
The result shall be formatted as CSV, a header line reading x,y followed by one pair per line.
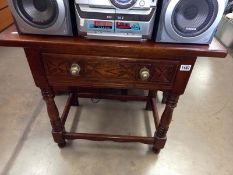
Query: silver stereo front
x,y
130,20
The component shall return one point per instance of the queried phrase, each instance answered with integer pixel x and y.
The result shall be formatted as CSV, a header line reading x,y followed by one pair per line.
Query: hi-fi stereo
x,y
45,17
130,20
170,21
188,21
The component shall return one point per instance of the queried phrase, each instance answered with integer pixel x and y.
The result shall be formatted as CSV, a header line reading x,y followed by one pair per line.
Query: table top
x,y
10,37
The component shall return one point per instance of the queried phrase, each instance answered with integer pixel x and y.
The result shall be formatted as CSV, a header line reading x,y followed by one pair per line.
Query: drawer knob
x,y
145,73
75,69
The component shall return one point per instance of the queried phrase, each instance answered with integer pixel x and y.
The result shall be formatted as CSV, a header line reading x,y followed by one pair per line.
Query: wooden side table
x,y
71,63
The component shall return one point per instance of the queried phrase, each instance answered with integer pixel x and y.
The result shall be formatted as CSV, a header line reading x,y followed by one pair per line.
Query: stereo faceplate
x,y
105,21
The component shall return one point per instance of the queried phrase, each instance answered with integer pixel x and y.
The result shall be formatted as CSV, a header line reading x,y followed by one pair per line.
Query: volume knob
x,y
75,69
144,74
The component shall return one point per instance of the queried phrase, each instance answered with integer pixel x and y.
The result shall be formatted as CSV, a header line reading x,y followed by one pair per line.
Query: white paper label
x,y
185,68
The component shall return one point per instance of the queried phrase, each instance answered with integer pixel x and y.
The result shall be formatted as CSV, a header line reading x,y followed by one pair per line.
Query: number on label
x,y
185,68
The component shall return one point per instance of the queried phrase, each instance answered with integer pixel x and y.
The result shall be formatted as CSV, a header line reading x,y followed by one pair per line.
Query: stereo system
x,y
166,21
120,20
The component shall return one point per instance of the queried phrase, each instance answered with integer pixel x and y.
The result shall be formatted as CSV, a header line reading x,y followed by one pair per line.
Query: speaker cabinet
x,y
45,17
189,21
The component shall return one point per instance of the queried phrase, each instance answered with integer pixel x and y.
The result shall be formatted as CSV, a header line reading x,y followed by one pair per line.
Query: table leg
x,y
165,97
161,133
151,94
57,127
75,100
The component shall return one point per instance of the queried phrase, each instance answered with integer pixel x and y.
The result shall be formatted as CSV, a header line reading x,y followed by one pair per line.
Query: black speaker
x,y
189,21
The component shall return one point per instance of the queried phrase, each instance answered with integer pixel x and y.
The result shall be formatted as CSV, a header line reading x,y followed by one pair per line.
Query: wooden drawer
x,y
5,18
3,3
106,71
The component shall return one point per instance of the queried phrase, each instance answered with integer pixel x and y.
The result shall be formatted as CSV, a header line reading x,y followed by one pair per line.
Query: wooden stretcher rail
x,y
67,109
113,97
105,137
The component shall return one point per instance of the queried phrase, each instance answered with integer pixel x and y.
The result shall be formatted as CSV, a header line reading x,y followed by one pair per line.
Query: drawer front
x,y
106,70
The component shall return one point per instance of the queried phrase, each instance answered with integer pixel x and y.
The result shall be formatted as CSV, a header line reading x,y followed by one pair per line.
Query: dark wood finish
x,y
165,121
88,136
165,97
75,101
108,64
155,113
113,96
104,137
118,71
67,108
147,49
58,127
151,95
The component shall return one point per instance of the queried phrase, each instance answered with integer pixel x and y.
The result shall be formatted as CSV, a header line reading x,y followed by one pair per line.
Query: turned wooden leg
x,y
75,101
161,133
165,97
151,94
57,127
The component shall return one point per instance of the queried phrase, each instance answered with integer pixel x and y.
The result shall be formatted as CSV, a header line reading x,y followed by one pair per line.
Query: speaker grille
x,y
191,18
38,13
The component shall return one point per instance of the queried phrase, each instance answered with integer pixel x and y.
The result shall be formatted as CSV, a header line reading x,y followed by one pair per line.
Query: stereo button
x,y
142,3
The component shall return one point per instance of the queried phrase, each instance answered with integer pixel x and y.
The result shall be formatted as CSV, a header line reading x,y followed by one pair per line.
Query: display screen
x,y
109,26
128,26
123,25
101,25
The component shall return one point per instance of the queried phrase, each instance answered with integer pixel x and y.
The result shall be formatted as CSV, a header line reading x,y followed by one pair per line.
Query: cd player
x,y
130,20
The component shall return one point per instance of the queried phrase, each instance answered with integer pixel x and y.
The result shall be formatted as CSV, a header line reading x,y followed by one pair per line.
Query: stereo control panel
x,y
116,19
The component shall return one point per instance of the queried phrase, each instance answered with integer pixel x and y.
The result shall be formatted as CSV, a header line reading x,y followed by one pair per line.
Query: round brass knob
x,y
75,69
145,73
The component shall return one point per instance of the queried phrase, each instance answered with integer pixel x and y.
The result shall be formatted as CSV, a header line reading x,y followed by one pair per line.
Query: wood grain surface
x,y
6,18
3,4
77,45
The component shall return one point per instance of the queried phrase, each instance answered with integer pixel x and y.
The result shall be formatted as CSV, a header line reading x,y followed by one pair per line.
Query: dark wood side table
x,y
71,63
